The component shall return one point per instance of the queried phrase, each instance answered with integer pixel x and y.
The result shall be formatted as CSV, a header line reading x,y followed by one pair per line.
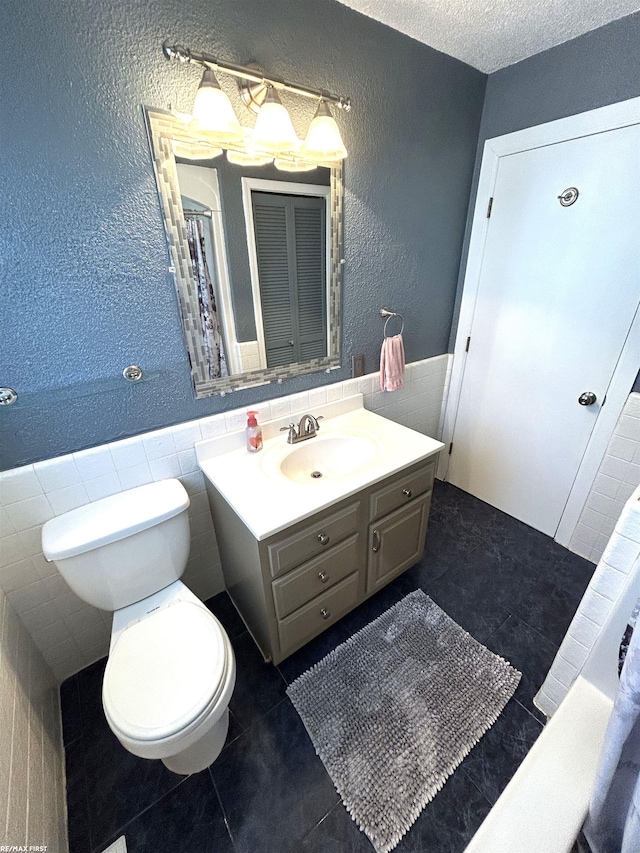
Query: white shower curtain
x,y
613,823
213,343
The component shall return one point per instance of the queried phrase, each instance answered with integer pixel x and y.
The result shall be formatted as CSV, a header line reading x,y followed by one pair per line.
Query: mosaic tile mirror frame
x,y
164,128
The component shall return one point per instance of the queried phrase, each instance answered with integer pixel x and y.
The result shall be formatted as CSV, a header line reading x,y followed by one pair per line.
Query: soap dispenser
x,y
254,433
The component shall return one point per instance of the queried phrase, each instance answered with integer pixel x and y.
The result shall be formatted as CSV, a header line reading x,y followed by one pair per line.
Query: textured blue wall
x,y
85,287
599,68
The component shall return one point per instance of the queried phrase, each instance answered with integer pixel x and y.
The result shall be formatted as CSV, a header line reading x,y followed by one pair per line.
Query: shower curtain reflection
x,y
213,341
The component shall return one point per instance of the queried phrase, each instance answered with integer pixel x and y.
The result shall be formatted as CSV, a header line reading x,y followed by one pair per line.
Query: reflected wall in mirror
x,y
256,255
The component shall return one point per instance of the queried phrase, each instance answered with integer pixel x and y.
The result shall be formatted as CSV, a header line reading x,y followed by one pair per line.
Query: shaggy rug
x,y
394,710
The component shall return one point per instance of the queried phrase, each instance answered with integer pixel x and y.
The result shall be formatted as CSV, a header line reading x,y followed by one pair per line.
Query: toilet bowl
x,y
171,668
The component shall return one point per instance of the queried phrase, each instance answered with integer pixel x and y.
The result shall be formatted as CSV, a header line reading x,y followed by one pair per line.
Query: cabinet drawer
x,y
312,540
313,578
401,491
314,617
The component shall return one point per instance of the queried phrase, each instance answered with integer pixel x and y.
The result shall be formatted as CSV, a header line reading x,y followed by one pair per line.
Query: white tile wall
x,y
618,476
70,633
32,781
621,558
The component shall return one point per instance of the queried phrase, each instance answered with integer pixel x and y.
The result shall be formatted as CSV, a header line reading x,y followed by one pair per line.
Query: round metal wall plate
x,y
133,373
569,196
7,396
252,93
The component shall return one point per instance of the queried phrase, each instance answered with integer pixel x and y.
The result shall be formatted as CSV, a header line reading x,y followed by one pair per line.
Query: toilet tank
x,y
121,549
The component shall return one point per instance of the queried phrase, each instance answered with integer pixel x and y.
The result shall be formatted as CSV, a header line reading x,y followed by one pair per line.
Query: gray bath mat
x,y
394,710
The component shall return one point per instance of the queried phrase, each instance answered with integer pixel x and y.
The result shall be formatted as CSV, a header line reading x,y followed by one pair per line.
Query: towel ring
x,y
384,312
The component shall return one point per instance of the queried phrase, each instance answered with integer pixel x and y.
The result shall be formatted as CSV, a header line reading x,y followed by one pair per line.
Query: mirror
x,y
256,255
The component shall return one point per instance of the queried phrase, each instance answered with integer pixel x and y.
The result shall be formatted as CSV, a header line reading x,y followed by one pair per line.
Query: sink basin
x,y
327,457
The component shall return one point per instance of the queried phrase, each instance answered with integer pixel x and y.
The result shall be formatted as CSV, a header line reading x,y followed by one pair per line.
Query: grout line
x,y
501,625
257,720
531,714
121,830
539,632
473,782
224,814
331,810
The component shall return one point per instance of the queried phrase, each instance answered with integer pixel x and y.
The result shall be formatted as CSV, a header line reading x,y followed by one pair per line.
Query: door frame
x,y
286,188
611,117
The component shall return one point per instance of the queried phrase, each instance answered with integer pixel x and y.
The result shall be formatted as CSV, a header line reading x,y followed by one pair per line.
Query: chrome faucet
x,y
307,428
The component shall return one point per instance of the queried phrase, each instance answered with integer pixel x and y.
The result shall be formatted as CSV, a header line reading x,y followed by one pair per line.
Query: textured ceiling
x,y
490,34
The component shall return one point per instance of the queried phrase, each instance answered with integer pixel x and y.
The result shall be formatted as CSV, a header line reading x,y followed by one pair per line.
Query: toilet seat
x,y
164,672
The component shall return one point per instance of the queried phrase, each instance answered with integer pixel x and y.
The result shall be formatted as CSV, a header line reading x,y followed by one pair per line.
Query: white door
x,y
557,294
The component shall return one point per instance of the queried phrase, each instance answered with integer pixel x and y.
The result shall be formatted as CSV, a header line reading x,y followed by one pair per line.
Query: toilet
x,y
171,668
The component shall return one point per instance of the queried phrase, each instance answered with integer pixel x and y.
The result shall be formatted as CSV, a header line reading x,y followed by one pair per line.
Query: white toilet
x,y
171,668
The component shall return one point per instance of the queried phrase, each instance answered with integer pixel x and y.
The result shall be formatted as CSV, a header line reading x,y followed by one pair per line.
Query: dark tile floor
x,y
511,587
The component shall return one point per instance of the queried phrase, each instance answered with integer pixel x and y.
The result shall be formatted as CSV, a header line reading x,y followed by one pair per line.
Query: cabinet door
x,y
396,542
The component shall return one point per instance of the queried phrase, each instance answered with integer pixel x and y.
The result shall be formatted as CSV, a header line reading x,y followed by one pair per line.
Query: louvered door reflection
x,y
290,250
310,279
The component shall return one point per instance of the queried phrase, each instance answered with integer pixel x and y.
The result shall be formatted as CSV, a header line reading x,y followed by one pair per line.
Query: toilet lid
x,y
163,672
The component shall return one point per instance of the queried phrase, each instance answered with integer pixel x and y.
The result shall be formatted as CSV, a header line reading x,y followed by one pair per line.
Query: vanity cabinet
x,y
291,586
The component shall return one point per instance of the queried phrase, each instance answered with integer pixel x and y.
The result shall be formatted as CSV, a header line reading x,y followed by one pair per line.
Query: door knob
x,y
588,398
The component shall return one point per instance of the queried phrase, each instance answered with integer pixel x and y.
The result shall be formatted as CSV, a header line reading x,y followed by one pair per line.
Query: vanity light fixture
x,y
294,165
324,142
248,158
274,132
246,153
212,111
195,150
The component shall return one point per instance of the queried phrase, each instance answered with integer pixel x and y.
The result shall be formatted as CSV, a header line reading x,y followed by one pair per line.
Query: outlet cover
x,y
357,365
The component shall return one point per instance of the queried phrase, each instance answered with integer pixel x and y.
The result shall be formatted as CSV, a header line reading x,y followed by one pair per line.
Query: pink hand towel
x,y
392,364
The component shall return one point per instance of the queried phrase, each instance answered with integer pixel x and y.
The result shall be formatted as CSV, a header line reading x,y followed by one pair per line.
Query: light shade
x,y
213,114
324,142
274,131
294,165
195,150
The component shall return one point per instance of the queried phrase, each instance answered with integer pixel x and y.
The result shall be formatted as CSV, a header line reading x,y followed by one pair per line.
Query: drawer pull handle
x,y
325,613
376,541
323,577
323,539
407,492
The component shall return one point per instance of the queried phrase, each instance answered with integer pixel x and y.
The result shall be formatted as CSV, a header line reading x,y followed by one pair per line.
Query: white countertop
x,y
268,502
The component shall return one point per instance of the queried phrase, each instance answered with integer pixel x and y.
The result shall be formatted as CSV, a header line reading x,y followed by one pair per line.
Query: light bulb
x,y
324,142
274,130
213,114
